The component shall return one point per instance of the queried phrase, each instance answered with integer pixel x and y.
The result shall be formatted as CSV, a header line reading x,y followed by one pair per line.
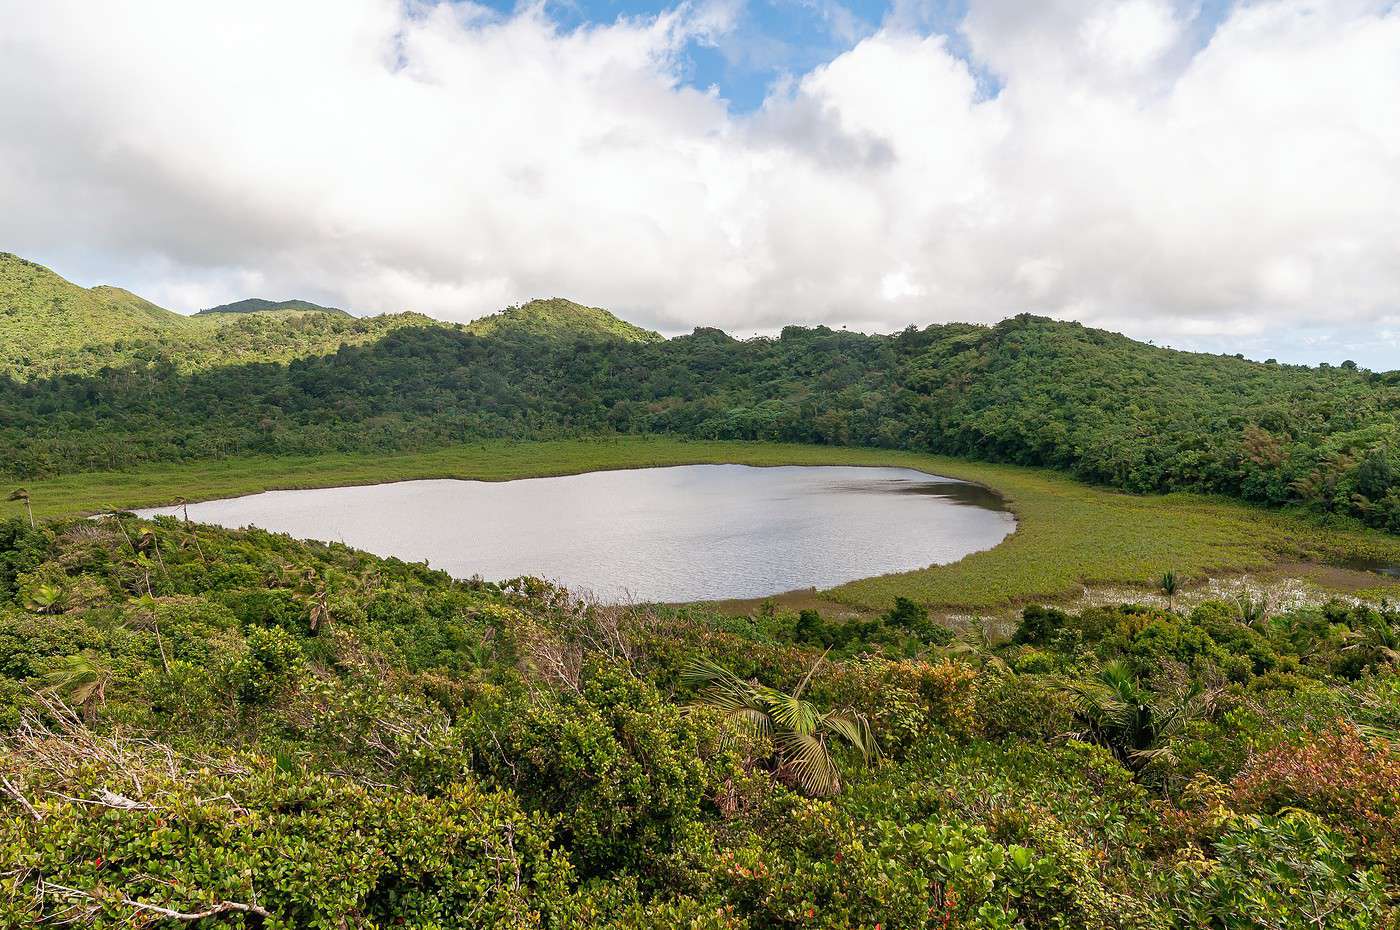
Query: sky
x,y
1206,174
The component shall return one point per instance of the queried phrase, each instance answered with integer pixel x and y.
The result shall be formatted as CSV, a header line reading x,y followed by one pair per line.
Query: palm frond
x,y
807,764
751,719
700,672
81,693
718,687
797,728
855,729
791,711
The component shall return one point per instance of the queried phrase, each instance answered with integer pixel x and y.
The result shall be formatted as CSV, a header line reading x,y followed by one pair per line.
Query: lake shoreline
x,y
688,533
1069,535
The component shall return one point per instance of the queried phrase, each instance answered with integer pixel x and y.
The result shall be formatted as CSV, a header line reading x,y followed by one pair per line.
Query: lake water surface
x,y
694,532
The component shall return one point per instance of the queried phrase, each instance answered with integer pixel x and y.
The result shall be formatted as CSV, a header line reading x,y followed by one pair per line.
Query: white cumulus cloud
x,y
1233,187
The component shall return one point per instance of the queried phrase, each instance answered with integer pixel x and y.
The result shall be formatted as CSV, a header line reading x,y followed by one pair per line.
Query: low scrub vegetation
x,y
236,727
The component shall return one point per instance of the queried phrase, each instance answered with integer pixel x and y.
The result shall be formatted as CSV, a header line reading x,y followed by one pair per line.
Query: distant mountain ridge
x,y
50,326
260,305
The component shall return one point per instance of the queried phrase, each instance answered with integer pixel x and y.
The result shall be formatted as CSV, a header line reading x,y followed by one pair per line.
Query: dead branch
x,y
223,907
18,796
107,798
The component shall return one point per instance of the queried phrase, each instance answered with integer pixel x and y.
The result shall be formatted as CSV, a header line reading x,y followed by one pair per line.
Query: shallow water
x,y
694,532
1375,566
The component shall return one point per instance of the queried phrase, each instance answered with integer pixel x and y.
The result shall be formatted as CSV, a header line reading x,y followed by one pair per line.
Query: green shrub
x,y
618,764
1023,706
308,850
1277,873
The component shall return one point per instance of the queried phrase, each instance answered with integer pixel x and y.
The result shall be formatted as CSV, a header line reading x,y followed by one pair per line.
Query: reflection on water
x,y
961,492
1378,566
695,532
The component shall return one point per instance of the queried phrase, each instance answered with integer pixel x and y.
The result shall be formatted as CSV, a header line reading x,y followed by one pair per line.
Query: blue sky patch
x,y
773,39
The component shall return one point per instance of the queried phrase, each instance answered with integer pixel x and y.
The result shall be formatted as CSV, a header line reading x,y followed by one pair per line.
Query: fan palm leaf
x,y
855,730
800,731
807,763
82,679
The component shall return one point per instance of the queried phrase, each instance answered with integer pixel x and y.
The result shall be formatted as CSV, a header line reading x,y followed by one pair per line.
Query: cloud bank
x,y
1234,187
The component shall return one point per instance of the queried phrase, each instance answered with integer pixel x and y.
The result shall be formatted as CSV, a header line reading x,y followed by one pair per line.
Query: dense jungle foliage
x,y
287,734
1028,391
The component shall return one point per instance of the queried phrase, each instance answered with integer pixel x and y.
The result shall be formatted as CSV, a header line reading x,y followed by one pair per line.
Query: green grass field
x,y
1069,534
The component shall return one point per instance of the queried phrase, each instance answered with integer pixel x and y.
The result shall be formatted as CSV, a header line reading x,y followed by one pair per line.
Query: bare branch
x,y
15,792
223,907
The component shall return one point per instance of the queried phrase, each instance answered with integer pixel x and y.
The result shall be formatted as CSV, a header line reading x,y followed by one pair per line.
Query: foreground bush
x,y
1285,871
113,833
283,734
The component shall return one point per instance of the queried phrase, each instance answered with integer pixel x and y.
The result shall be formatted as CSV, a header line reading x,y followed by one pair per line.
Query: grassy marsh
x,y
1069,534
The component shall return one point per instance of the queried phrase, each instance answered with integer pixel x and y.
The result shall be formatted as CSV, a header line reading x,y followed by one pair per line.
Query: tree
x,y
1133,720
809,628
81,679
800,731
1116,707
22,494
1167,584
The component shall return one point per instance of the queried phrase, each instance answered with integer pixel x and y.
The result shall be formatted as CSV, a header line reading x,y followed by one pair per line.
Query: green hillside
x,y
1027,391
557,318
259,305
48,324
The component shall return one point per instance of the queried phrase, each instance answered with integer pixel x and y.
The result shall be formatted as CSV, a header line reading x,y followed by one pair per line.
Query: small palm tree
x,y
1377,639
977,645
1168,585
22,494
800,731
1134,721
1172,713
82,680
45,599
1254,611
1116,707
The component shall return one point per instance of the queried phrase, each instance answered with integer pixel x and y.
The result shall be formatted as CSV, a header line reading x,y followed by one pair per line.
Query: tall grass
x,y
1068,535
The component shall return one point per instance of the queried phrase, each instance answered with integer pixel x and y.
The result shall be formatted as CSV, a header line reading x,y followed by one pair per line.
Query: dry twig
x,y
18,796
223,907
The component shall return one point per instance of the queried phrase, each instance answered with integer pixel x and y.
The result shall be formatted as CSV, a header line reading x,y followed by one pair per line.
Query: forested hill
x,y
48,324
51,327
557,319
1028,390
260,305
